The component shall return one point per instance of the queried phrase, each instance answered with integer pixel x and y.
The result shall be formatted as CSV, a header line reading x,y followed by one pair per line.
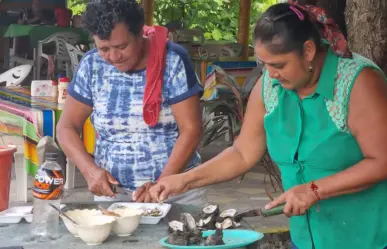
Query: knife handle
x,y
274,211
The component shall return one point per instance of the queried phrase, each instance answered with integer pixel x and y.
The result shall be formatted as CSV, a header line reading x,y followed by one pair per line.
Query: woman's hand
x,y
169,186
298,200
142,193
99,180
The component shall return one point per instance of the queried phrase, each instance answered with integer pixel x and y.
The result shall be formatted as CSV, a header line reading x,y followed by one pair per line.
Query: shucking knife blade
x,y
120,190
250,213
260,212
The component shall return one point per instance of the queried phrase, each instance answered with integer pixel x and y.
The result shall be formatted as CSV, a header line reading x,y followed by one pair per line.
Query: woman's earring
x,y
310,68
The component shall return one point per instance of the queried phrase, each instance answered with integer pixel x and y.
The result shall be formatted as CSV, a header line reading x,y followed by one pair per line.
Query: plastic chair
x,y
236,47
15,76
251,80
188,35
75,56
215,51
61,56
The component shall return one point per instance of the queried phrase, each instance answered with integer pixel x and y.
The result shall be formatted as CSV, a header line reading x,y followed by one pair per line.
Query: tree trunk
x,y
367,29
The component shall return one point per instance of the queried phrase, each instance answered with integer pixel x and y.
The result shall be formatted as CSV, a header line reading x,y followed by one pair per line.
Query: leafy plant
x,y
217,18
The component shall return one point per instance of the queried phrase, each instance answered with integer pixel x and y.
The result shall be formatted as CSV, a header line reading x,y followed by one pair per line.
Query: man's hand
x,y
168,186
298,200
142,193
99,181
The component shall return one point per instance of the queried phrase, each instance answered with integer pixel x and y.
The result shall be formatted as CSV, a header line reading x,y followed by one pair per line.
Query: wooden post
x,y
244,26
148,6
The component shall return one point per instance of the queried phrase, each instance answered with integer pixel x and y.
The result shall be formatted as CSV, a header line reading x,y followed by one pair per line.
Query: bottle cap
x,y
51,156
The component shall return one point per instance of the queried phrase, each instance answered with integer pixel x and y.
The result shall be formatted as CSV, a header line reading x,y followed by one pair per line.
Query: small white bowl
x,y
128,222
77,215
94,230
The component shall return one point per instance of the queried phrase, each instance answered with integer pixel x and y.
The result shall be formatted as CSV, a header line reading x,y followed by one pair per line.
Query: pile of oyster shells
x,y
188,231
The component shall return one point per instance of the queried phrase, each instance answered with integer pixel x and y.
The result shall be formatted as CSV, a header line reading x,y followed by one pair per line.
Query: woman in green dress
x,y
321,111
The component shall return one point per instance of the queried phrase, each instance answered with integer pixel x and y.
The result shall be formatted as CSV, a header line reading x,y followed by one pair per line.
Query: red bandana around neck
x,y
157,39
331,32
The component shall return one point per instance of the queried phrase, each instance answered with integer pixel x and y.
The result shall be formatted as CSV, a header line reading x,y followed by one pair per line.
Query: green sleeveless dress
x,y
309,139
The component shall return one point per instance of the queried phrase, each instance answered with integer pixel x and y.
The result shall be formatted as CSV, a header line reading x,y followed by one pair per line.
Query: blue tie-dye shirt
x,y
126,146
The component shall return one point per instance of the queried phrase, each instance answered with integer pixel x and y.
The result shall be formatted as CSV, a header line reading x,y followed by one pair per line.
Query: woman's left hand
x,y
298,200
142,193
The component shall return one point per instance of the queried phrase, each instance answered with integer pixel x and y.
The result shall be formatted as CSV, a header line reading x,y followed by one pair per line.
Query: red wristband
x,y
314,188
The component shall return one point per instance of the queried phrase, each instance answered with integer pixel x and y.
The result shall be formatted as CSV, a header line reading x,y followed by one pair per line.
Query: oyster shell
x,y
175,226
210,210
188,221
229,213
209,223
226,224
215,239
195,237
178,238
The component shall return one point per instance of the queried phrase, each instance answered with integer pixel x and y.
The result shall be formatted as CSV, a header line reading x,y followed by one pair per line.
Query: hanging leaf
x,y
228,36
216,34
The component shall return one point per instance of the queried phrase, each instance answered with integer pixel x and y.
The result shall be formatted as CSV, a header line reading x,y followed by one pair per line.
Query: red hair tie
x,y
331,32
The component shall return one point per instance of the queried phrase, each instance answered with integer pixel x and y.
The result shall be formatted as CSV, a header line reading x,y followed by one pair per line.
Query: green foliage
x,y
217,18
77,6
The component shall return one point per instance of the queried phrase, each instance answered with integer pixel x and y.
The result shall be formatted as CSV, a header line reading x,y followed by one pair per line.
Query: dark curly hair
x,y
282,30
101,16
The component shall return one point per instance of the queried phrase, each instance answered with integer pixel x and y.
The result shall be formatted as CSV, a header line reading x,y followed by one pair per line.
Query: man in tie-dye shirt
x,y
109,87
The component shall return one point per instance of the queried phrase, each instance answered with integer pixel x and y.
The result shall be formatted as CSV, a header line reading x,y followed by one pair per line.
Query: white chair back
x,y
75,56
61,56
15,76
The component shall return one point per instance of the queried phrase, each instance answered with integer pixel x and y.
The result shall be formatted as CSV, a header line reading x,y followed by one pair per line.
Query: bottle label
x,y
48,184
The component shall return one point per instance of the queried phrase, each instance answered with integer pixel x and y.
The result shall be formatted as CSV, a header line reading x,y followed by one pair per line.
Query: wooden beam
x,y
244,26
149,7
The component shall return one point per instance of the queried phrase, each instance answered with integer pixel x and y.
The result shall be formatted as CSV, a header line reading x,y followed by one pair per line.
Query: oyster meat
x,y
154,212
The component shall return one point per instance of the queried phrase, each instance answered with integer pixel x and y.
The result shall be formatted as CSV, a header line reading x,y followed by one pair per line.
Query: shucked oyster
x,y
154,212
227,224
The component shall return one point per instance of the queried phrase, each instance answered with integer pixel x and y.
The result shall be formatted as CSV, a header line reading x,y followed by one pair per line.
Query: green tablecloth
x,y
39,32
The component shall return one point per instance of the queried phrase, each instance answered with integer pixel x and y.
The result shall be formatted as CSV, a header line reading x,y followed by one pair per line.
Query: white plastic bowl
x,y
77,215
94,230
128,222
